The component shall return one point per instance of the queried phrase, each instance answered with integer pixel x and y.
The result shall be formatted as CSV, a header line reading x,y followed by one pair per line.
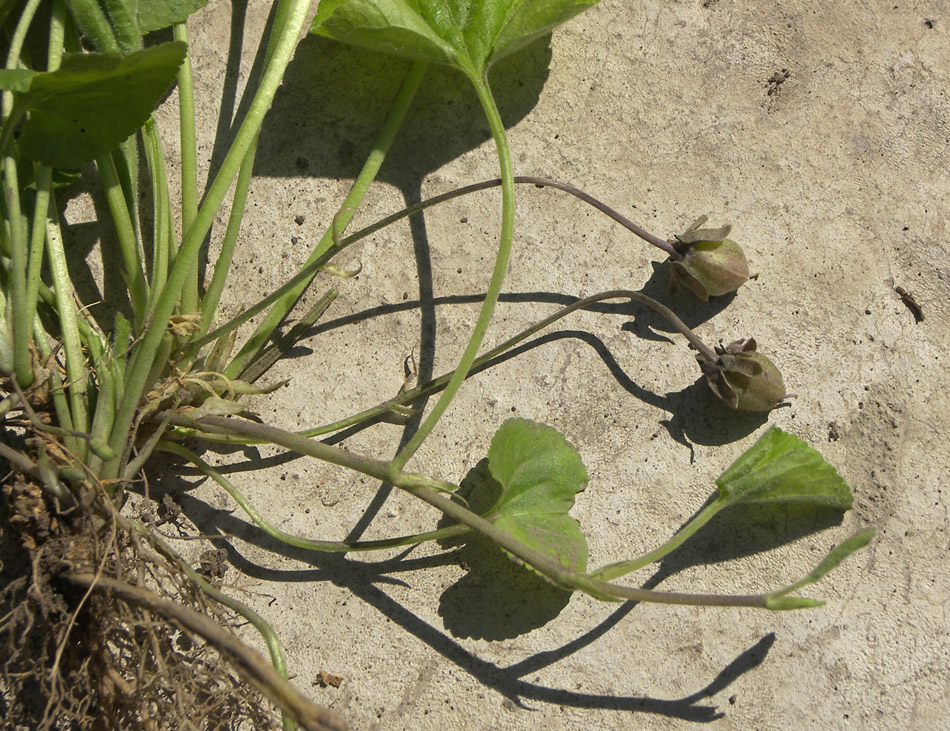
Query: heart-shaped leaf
x,y
92,103
467,34
539,473
780,467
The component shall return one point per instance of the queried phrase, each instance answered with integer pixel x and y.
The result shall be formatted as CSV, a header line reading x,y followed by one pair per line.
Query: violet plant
x,y
100,399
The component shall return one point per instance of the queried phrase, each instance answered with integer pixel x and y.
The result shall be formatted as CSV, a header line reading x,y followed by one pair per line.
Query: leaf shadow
x,y
745,530
335,99
497,599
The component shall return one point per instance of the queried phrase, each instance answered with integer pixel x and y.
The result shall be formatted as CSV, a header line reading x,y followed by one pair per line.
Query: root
x,y
97,632
252,664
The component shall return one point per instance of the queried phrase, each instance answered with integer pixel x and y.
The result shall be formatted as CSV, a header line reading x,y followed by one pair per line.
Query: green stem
x,y
352,201
275,352
189,165
142,360
16,237
104,413
57,392
334,455
13,52
433,492
44,178
209,304
125,235
297,541
621,568
93,24
163,232
434,385
69,327
494,284
562,575
15,225
306,272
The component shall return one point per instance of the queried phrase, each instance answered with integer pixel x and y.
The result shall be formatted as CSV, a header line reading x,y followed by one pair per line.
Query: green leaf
x,y
17,80
93,103
839,553
158,14
781,600
780,467
539,473
467,34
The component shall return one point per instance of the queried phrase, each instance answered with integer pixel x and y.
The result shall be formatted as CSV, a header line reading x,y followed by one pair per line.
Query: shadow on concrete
x,y
745,530
335,99
367,582
696,415
325,129
497,599
689,308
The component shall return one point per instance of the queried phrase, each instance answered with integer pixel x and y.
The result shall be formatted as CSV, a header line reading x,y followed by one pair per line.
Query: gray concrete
x,y
834,175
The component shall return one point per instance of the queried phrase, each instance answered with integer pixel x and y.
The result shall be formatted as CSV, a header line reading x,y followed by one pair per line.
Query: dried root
x,y
99,632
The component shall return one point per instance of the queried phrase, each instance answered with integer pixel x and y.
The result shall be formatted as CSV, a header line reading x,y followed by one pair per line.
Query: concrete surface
x,y
820,131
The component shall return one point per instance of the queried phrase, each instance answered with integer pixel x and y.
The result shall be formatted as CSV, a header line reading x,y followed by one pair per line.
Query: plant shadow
x,y
368,582
335,99
746,530
326,119
497,599
697,415
689,308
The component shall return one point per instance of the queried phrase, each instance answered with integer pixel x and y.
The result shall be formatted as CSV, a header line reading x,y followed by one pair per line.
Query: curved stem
x,y
603,208
435,384
433,492
297,541
69,328
494,284
562,575
306,272
621,568
125,236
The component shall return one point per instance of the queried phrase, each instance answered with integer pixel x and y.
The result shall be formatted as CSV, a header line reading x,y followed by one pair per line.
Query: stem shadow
x,y
367,581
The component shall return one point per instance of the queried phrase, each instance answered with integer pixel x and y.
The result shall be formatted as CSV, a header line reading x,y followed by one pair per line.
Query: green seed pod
x,y
744,379
709,268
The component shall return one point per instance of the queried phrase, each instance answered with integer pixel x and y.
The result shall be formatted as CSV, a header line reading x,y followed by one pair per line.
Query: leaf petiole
x,y
494,285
